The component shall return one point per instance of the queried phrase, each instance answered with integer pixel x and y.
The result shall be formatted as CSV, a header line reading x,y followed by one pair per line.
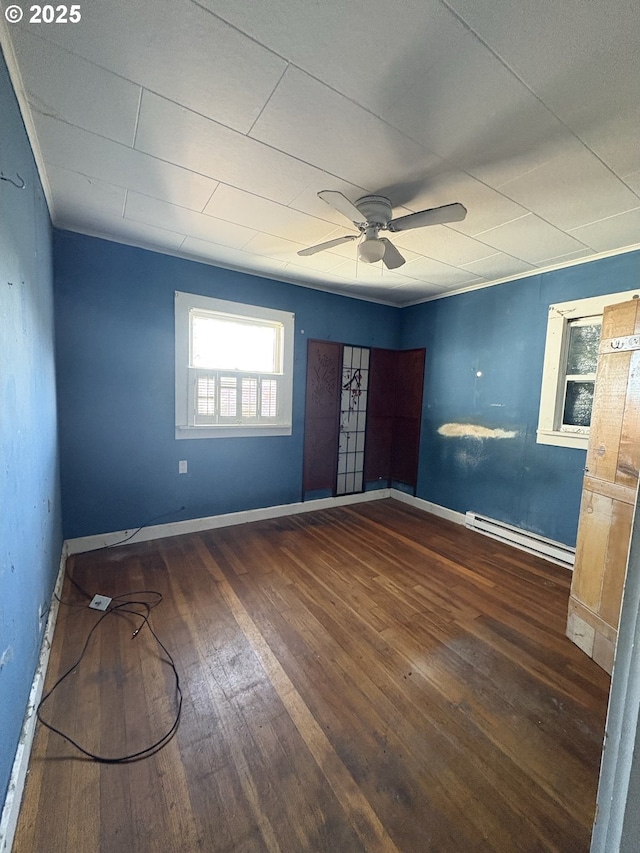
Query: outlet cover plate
x,y
100,602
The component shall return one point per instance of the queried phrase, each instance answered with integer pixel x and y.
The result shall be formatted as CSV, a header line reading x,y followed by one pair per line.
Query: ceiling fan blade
x,y
328,245
342,204
434,216
392,259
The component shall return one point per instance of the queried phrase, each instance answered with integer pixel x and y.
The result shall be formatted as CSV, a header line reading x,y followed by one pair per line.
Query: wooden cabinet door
x,y
609,488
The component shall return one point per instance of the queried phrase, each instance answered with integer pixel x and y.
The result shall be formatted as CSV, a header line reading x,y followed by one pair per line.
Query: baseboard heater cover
x,y
558,553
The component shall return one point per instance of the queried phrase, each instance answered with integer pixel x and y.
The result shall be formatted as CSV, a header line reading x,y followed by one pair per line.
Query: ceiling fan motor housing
x,y
375,210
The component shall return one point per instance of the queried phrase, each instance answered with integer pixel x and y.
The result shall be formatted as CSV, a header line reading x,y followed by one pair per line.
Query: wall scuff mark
x,y
474,431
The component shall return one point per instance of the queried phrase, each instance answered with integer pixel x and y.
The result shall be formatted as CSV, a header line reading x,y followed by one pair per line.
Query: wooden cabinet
x,y
609,488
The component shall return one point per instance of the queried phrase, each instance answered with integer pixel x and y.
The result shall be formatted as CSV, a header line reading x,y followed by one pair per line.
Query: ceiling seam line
x,y
241,32
266,103
137,121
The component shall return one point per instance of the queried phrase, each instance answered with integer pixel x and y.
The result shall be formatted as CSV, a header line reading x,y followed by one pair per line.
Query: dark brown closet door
x,y
396,380
322,412
408,416
381,414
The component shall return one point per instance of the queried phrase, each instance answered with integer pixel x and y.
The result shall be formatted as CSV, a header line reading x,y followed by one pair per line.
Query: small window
x,y
580,373
570,362
234,366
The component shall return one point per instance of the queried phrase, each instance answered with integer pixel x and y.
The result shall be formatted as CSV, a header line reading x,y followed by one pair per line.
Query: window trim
x,y
184,428
553,373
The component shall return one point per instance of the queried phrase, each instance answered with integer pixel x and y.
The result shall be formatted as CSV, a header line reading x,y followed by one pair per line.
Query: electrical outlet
x,y
100,602
182,466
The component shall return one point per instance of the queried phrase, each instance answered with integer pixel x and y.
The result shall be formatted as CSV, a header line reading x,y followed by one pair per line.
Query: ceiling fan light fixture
x,y
371,251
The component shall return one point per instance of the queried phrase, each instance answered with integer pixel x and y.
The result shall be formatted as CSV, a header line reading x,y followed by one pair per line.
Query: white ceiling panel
x,y
358,48
122,230
436,272
74,194
563,259
268,246
213,124
375,292
229,257
414,291
153,211
486,207
180,136
371,274
473,111
302,118
261,214
633,182
607,234
308,201
63,86
531,239
615,139
308,278
77,150
443,244
572,190
570,54
498,266
178,49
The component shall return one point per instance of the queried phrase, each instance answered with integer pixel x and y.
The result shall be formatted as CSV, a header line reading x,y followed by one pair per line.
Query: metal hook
x,y
20,186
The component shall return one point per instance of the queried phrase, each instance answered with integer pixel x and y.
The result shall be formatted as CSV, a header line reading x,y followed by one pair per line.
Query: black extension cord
x,y
125,606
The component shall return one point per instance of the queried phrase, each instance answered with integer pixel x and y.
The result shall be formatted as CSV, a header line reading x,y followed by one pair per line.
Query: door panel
x,y
610,487
382,406
321,415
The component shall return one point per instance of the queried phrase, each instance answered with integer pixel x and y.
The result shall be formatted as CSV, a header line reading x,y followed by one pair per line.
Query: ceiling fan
x,y
372,214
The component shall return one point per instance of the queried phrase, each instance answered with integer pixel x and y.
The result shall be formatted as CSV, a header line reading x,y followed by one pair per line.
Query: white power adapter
x,y
100,602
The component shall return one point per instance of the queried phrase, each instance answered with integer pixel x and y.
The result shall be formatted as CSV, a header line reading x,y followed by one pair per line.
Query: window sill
x,y
225,431
562,439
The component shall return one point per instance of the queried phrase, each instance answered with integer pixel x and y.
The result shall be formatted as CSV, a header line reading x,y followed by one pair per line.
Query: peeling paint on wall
x,y
474,431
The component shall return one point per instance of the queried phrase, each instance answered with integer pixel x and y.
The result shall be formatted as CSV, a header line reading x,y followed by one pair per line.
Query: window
x,y
570,359
234,368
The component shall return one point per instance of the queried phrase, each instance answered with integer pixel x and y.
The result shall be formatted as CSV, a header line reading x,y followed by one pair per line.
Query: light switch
x,y
182,466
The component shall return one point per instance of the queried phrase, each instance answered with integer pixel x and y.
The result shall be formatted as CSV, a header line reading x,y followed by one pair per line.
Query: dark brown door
x,y
396,381
322,412
408,416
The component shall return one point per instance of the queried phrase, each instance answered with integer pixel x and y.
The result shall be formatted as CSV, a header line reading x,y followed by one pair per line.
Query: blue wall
x,y
115,365
500,331
30,529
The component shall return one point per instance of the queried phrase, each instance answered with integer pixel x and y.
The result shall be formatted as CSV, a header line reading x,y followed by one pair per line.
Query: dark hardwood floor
x,y
368,678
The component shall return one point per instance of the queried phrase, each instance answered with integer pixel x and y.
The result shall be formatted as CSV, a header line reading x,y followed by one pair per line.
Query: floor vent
x,y
558,553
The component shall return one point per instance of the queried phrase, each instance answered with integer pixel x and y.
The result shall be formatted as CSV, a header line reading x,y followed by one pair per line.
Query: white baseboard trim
x,y
11,808
211,522
427,506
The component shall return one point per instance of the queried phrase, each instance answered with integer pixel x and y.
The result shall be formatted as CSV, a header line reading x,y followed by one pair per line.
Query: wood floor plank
x,y
365,678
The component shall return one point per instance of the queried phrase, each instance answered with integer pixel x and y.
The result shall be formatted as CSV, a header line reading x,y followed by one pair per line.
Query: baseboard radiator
x,y
558,553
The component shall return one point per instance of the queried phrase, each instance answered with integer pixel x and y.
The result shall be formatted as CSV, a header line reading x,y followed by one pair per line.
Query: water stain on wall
x,y
474,431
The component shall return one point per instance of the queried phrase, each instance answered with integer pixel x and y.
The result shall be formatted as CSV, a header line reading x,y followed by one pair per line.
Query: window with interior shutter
x,y
234,369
